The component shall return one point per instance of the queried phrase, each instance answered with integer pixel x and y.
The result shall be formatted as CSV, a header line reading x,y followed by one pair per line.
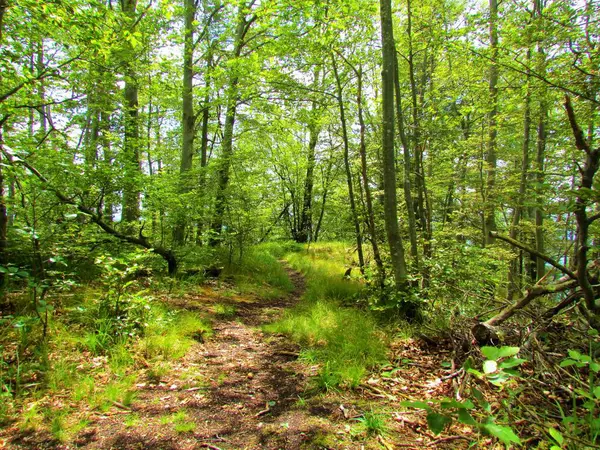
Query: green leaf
x,y
566,362
418,405
575,355
503,433
490,366
597,391
557,436
511,362
3,269
490,353
451,403
592,332
465,417
437,422
505,352
594,367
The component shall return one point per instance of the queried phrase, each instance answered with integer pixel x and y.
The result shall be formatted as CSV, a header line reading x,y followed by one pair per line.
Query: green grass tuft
x,y
345,340
372,423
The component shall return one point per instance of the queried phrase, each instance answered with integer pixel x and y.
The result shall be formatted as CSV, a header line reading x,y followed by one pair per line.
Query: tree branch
x,y
535,253
141,241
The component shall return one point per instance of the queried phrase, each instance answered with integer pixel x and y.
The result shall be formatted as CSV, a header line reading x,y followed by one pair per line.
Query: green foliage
x,y
345,340
170,334
260,267
372,423
476,412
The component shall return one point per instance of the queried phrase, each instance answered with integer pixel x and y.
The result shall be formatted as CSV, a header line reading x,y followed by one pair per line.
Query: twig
x,y
264,411
447,439
453,375
211,447
121,405
383,442
379,392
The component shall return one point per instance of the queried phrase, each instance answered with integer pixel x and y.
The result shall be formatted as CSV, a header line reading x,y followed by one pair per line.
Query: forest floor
x,y
242,388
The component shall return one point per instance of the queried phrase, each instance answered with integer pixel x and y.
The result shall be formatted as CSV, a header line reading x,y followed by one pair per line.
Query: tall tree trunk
x,y
326,179
355,219
412,222
188,119
417,146
227,143
305,227
3,215
491,155
131,157
513,274
365,179
389,156
540,153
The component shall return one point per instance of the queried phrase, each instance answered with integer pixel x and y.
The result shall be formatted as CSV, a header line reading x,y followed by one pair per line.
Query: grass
x,y
170,335
372,423
224,310
180,422
260,273
345,340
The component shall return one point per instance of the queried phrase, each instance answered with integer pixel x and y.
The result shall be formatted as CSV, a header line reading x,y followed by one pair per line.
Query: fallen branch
x,y
210,446
263,412
484,332
534,252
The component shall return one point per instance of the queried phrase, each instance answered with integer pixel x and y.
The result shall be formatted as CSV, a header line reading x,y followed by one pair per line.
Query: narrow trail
x,y
250,384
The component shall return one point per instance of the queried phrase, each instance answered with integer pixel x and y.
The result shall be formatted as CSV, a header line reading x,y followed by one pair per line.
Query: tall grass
x,y
343,339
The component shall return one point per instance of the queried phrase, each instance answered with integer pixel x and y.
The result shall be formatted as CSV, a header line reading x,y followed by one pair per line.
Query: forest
x,y
288,224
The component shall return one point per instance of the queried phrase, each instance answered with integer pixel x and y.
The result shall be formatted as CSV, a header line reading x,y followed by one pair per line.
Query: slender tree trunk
x,y
540,266
412,222
305,227
421,209
227,143
131,157
365,179
491,155
389,157
3,215
326,178
204,140
355,219
188,119
513,273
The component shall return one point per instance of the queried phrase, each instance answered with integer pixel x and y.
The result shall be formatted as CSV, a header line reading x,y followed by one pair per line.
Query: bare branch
x,y
535,253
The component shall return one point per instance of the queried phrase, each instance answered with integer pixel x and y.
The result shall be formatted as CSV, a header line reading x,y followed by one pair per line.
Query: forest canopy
x,y
453,145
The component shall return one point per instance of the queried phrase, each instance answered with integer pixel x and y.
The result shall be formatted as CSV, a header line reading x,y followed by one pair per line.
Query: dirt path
x,y
247,398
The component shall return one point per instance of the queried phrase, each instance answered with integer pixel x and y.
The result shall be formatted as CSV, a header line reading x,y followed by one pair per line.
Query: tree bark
x,y
188,118
131,156
242,28
305,227
412,223
513,274
3,8
355,220
540,151
389,157
3,215
365,179
491,154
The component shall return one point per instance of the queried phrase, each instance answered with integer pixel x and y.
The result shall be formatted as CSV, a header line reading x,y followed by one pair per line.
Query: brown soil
x,y
243,389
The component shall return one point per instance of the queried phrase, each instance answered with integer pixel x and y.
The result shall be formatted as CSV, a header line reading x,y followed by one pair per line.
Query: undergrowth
x,y
344,340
